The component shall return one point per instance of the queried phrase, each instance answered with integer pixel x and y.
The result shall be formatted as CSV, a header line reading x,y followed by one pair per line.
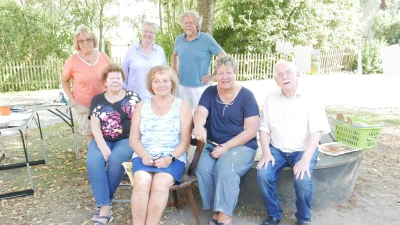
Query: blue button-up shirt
x,y
136,66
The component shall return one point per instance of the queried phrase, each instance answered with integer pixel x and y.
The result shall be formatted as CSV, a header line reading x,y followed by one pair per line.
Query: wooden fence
x,y
30,75
336,60
39,75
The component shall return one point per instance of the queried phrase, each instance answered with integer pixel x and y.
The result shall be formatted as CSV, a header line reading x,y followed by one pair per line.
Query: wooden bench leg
x,y
192,204
175,194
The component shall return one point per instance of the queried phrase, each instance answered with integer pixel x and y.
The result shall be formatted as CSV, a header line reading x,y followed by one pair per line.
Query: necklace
x,y
86,58
159,107
223,103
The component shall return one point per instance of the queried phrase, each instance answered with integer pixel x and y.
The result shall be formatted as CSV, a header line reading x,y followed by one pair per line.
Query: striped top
x,y
160,135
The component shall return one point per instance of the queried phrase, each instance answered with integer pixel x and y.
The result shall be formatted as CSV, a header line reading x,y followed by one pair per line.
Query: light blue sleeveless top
x,y
161,134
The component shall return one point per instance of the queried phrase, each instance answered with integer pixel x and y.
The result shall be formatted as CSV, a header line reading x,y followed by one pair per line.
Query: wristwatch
x,y
172,157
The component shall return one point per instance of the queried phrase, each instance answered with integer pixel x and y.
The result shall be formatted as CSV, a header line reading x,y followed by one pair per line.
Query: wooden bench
x,y
334,179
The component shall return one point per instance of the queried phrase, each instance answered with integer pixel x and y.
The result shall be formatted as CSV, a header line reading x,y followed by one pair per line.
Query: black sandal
x,y
96,214
212,220
109,219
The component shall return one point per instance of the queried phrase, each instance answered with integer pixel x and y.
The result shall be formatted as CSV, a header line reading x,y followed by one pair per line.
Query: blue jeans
x,y
219,179
105,177
304,188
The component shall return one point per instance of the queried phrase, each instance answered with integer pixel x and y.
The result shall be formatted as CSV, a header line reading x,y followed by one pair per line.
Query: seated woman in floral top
x,y
111,114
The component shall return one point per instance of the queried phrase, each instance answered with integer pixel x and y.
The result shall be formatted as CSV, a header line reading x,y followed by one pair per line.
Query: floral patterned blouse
x,y
115,118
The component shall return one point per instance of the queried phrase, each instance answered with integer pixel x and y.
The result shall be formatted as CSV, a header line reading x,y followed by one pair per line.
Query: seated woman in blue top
x,y
226,119
111,114
160,135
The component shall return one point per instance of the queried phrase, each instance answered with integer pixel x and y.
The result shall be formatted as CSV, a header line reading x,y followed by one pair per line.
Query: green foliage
x,y
254,26
169,26
370,57
386,23
43,29
92,13
30,33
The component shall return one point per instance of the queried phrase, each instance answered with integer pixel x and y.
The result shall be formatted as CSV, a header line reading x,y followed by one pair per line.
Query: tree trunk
x,y
206,9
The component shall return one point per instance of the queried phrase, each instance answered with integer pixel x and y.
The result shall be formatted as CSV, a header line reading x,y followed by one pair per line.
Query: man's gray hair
x,y
291,65
227,61
197,18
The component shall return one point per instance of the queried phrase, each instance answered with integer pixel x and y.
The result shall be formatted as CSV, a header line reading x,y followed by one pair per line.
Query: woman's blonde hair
x,y
83,30
173,77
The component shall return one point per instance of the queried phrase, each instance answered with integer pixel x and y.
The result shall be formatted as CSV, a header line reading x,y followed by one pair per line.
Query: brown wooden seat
x,y
188,179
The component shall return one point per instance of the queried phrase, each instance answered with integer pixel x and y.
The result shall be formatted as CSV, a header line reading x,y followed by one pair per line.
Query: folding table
x,y
34,112
20,128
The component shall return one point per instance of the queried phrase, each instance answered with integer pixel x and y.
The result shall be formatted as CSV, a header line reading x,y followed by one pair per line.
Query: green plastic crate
x,y
356,135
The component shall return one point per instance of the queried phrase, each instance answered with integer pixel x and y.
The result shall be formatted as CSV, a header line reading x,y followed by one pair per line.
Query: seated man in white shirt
x,y
291,125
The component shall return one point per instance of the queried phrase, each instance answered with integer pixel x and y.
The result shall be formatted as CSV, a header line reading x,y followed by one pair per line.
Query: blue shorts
x,y
175,169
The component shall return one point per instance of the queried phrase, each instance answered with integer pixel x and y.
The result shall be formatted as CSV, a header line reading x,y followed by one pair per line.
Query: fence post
x,y
359,60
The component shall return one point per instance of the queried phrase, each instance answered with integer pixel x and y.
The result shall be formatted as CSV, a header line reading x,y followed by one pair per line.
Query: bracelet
x,y
141,156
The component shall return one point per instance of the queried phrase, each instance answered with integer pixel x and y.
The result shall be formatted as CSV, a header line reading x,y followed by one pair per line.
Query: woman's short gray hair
x,y
150,24
197,18
291,65
83,30
227,61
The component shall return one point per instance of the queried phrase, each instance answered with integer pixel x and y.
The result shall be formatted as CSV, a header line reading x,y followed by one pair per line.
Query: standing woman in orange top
x,y
84,68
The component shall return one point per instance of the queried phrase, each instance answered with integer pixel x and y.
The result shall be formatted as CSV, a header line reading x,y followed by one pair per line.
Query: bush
x,y
386,23
371,57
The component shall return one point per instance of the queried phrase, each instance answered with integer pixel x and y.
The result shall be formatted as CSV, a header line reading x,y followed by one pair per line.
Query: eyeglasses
x,y
158,155
89,40
288,73
211,145
147,32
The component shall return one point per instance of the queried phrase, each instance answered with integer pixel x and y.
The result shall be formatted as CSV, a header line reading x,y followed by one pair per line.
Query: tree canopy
x,y
43,29
254,26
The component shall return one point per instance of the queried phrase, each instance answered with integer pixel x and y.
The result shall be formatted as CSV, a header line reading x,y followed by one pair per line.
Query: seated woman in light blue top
x,y
140,58
160,136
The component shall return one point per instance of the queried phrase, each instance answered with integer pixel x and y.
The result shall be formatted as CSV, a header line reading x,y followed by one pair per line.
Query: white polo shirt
x,y
291,121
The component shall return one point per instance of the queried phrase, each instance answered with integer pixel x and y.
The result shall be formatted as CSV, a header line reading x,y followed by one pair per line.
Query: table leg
x,y
37,121
69,122
73,132
2,147
20,165
27,160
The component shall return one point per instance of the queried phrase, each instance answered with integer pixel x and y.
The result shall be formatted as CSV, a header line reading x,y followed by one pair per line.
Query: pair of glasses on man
x,y
211,145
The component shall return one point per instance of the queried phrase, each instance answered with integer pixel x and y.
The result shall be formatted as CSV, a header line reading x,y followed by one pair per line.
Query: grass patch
x,y
388,118
64,177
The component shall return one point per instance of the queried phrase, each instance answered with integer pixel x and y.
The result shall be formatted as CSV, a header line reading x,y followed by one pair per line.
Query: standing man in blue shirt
x,y
191,58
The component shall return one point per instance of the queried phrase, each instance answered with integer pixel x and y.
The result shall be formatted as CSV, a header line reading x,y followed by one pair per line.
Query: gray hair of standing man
x,y
291,65
227,61
197,18
151,24
83,30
